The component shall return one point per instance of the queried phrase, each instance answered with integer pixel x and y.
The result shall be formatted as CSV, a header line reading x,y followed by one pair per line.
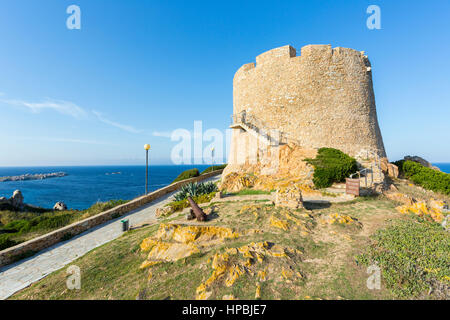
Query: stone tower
x,y
322,98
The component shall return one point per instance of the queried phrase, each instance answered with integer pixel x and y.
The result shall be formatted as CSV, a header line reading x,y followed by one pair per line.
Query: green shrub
x,y
426,177
194,189
331,165
6,242
19,223
214,168
45,223
18,226
103,206
413,256
191,173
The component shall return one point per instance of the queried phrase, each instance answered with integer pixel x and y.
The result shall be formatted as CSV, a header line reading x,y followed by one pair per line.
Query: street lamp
x,y
146,147
212,158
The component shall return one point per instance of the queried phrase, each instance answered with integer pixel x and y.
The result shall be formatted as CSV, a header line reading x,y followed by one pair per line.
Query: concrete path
x,y
21,274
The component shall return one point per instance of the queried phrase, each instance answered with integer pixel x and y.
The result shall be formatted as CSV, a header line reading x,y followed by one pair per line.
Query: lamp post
x,y
212,158
146,147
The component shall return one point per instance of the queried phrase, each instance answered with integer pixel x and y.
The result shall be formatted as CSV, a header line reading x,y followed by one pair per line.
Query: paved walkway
x,y
21,274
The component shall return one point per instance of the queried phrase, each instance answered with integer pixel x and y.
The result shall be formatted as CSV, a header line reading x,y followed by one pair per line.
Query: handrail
x,y
259,126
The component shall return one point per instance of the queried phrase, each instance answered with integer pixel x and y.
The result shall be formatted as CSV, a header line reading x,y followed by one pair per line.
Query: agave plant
x,y
195,189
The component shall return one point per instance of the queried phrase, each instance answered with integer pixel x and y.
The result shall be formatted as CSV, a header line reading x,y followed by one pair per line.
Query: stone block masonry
x,y
33,246
321,98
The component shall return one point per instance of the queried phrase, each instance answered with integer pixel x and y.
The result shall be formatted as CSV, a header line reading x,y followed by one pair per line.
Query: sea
x,y
86,185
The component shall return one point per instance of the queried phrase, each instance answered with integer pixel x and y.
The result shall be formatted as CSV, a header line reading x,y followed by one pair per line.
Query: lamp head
x,y
147,147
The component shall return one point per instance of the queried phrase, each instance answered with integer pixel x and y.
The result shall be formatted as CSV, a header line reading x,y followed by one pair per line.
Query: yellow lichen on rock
x,y
258,291
228,297
147,244
421,209
230,269
170,252
233,274
278,223
338,218
147,264
186,234
287,274
174,242
262,275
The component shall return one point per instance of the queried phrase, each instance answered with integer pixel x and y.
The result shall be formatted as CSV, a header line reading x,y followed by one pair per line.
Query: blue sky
x,y
139,69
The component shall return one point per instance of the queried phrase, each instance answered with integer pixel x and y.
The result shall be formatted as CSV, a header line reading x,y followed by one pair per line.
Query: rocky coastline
x,y
38,176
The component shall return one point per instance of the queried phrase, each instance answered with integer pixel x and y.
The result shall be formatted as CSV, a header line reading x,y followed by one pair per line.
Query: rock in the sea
x,y
290,197
60,206
17,199
422,161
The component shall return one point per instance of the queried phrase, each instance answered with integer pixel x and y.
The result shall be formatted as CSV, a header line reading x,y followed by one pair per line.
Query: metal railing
x,y
376,163
365,170
256,124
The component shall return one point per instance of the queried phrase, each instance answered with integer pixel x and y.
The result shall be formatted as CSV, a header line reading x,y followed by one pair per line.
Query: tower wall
x,y
322,98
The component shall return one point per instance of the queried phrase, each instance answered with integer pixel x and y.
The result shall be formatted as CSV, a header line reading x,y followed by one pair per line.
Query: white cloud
x,y
164,134
115,124
61,106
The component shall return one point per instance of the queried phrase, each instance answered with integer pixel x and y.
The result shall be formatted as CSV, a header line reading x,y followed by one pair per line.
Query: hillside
x,y
251,249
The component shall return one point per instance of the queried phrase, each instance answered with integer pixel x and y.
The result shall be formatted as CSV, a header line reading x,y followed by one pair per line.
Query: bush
x,y
426,177
413,255
6,242
191,173
103,206
214,168
18,226
331,165
45,223
195,189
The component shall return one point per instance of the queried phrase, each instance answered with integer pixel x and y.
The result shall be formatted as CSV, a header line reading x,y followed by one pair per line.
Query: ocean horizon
x,y
87,185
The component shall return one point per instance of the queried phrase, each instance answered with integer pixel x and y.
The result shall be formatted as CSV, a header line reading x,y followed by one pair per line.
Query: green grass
x,y
327,261
23,226
414,256
246,192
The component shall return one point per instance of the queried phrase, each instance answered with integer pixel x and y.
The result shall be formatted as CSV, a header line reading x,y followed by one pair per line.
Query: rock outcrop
x,y
290,197
39,176
279,166
389,168
60,206
17,199
422,161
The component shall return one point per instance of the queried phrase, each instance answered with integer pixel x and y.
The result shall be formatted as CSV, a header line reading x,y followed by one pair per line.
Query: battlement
x,y
277,54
